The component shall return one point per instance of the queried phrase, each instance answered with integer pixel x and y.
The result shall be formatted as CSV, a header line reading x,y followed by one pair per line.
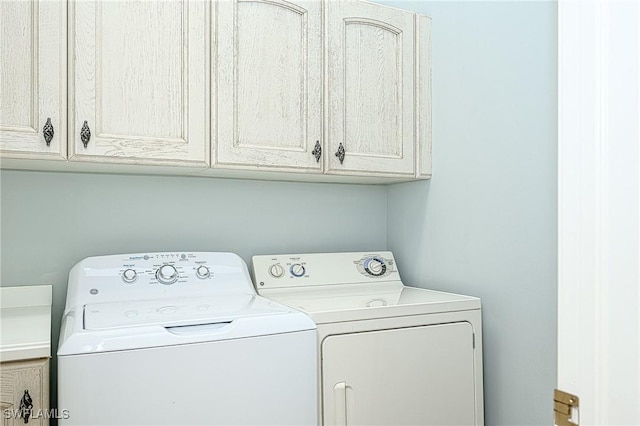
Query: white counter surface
x,y
25,322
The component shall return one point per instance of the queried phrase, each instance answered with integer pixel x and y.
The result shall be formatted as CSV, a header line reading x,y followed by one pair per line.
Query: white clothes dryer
x,y
181,339
388,354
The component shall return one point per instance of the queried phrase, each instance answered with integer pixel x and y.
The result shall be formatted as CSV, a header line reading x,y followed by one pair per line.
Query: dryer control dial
x,y
276,270
167,274
297,270
375,266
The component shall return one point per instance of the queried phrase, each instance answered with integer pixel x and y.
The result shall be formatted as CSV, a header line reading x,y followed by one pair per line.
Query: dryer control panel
x,y
141,276
297,270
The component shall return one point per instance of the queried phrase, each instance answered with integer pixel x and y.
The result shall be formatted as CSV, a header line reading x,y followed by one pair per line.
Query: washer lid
x,y
173,312
355,302
109,327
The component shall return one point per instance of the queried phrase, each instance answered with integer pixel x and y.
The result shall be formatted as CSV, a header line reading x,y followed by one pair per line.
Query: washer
x,y
181,338
388,354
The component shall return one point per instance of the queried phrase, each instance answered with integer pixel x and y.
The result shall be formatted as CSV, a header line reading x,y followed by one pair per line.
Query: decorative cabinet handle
x,y
26,404
340,153
47,131
85,134
317,151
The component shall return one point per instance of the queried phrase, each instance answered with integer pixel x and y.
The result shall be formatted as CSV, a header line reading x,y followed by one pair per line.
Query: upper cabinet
x,y
371,88
139,85
324,90
33,79
268,92
338,87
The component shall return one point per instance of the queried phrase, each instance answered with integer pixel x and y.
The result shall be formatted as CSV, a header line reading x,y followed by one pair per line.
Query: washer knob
x,y
202,272
167,274
297,270
276,270
129,275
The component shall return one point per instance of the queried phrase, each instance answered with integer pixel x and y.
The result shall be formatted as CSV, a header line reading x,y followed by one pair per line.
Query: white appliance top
x,y
336,287
134,301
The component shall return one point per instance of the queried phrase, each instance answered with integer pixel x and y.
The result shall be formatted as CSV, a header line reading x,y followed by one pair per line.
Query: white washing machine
x,y
389,354
181,339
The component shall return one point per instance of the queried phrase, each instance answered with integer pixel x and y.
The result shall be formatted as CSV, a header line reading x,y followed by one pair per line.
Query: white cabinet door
x,y
268,94
140,81
28,380
33,78
409,376
371,65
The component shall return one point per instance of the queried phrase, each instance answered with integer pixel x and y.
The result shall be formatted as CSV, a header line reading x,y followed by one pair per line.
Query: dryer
x,y
181,338
389,354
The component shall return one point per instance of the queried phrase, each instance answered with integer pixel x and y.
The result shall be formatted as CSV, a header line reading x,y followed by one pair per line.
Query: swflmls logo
x,y
54,413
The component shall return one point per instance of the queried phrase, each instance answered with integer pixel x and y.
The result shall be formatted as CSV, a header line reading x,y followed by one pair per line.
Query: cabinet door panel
x,y
408,376
371,88
269,70
32,78
140,80
20,376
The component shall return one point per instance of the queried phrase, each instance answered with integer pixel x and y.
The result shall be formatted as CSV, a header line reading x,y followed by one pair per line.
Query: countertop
x,y
25,322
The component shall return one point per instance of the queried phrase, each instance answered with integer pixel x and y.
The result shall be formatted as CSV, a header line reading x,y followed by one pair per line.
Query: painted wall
x,y
485,224
50,221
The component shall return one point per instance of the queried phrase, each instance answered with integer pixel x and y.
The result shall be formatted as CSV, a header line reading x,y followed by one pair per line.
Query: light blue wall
x,y
49,221
485,224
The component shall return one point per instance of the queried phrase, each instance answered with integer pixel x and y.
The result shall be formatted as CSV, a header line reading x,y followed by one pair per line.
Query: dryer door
x,y
410,376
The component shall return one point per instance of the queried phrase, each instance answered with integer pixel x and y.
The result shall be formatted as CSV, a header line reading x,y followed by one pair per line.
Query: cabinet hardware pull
x,y
26,404
341,152
317,151
85,134
47,131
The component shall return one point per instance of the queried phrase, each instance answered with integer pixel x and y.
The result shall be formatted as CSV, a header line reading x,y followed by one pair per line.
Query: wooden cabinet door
x,y
140,81
371,89
268,95
32,78
18,378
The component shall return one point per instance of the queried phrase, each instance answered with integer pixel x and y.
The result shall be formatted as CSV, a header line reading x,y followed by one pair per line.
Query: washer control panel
x,y
156,275
164,268
293,270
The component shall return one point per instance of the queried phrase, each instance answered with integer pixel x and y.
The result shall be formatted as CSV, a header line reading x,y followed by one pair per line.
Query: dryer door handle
x,y
340,395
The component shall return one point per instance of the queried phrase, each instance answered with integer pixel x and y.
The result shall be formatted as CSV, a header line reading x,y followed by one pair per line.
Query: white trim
x,y
598,208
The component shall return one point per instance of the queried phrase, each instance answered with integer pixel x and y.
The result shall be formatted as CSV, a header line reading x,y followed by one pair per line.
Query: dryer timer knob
x,y
375,267
276,270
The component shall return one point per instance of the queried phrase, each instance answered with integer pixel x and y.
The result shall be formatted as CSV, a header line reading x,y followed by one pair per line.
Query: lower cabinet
x,y
24,392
